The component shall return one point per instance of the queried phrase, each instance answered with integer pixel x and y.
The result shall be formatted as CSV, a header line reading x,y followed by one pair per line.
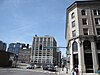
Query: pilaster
x,y
94,56
81,57
71,58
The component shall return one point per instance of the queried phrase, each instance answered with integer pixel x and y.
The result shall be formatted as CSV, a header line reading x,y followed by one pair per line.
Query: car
x,y
56,66
29,66
45,67
98,71
38,66
51,68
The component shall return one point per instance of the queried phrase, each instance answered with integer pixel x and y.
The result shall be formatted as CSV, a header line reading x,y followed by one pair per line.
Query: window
x,y
96,12
98,31
72,15
85,31
83,12
73,24
84,21
87,45
98,45
74,33
97,21
75,46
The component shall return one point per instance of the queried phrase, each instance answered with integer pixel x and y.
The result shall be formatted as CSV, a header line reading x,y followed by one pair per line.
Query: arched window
x,y
72,15
75,46
83,12
87,45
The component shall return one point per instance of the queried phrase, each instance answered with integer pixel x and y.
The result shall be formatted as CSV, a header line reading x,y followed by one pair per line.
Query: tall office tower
x,y
42,53
14,48
83,35
3,46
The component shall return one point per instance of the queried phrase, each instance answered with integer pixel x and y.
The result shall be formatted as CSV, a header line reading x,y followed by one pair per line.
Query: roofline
x,y
74,5
81,2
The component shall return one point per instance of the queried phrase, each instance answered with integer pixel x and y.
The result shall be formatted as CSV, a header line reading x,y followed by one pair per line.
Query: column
x,y
81,57
94,56
71,57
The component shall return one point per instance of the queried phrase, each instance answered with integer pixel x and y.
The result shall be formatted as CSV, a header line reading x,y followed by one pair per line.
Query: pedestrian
x,y
72,71
76,71
63,67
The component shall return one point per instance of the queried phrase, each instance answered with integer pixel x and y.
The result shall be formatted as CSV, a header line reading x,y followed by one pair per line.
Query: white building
x,y
42,53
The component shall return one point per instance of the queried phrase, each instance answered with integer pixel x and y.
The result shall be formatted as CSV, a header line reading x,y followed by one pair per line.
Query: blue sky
x,y
20,20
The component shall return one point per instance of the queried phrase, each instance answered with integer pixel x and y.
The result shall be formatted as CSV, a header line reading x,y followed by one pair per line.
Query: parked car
x,y
29,66
51,68
98,71
37,66
45,67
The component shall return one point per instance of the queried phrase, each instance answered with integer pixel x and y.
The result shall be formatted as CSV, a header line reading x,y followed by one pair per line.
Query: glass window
x,y
84,21
74,33
40,40
85,31
97,21
87,45
98,45
72,15
98,31
83,12
96,12
75,46
73,24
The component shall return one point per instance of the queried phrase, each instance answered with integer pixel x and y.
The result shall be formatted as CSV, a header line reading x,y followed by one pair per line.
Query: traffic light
x,y
40,47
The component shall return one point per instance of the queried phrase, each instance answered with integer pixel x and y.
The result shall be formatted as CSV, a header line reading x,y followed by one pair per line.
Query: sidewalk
x,y
63,72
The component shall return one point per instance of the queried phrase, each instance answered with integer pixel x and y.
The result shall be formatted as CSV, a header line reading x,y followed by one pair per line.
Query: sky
x,y
20,20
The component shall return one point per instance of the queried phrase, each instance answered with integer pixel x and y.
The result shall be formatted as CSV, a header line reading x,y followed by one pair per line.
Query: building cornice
x,y
80,37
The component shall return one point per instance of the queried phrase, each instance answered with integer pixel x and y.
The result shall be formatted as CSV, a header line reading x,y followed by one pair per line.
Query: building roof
x,y
82,3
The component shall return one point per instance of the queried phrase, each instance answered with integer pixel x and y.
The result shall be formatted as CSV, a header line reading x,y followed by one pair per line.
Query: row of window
x,y
42,55
86,32
86,45
85,22
83,12
41,39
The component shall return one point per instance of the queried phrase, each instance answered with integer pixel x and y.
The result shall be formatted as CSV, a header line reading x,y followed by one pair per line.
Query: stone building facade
x,y
83,36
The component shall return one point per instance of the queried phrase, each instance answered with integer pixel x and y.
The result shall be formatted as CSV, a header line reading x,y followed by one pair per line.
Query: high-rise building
x,y
44,50
3,46
83,35
14,48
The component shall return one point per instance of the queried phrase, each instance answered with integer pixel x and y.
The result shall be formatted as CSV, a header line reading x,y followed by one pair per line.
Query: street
x,y
16,71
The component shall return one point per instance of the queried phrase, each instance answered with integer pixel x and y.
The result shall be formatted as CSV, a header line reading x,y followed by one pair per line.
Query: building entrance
x,y
75,60
88,62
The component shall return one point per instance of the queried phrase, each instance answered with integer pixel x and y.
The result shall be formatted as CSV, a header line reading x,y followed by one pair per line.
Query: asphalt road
x,y
9,71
